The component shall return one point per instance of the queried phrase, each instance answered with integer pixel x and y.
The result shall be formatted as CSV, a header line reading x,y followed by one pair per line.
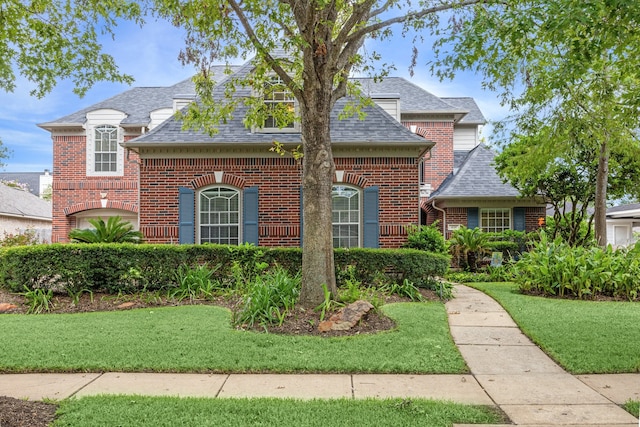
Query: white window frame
x,y
199,213
103,148
97,119
495,228
346,217
283,96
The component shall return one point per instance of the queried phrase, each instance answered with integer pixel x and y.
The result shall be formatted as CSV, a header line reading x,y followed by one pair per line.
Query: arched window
x,y
219,216
106,148
346,216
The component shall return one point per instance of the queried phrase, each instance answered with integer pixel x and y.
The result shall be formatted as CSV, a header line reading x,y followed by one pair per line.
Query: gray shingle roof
x,y
22,203
413,98
378,127
474,115
477,178
31,179
630,210
137,102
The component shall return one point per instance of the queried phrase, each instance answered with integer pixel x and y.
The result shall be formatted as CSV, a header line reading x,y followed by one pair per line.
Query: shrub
x,y
468,245
269,297
553,267
23,238
115,230
114,267
425,238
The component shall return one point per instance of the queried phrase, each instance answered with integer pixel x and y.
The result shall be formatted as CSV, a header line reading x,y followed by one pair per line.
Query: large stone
x,y
5,306
346,318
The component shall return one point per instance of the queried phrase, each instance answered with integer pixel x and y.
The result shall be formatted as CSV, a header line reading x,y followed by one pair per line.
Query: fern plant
x,y
115,230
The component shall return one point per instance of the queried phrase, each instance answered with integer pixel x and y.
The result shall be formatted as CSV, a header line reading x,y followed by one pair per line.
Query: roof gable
x,y
476,178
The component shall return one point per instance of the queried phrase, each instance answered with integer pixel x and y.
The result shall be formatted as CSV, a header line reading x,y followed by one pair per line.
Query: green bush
x,y
26,237
553,267
269,297
115,230
114,267
426,238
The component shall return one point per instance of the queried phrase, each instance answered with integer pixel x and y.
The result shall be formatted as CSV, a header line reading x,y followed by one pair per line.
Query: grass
x,y
200,339
582,336
633,407
170,411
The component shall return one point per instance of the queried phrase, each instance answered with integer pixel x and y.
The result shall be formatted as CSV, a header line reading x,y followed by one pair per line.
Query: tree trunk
x,y
601,195
317,182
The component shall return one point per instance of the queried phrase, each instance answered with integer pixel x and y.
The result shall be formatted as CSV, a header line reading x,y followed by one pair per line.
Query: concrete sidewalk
x,y
507,370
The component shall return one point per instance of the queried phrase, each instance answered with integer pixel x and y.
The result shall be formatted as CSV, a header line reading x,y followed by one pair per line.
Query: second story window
x,y
106,148
280,104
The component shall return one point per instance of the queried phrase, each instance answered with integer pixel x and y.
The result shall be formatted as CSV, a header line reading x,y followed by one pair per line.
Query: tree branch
x,y
414,15
263,51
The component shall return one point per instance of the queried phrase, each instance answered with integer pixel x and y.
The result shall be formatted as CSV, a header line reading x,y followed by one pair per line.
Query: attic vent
x,y
389,102
181,101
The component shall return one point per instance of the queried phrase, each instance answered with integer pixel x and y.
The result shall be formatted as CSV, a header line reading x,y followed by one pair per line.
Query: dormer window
x,y
105,155
106,148
280,107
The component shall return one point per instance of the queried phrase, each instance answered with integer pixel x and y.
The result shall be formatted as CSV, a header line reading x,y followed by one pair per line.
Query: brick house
x,y
129,156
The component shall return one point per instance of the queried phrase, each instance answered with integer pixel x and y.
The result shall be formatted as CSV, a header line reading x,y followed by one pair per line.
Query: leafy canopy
x,y
48,40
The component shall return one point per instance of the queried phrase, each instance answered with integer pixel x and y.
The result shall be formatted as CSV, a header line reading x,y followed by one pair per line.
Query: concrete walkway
x,y
522,380
507,370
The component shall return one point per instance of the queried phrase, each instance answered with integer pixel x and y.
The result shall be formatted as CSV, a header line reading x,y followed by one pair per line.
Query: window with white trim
x,y
495,220
281,106
105,152
346,216
219,216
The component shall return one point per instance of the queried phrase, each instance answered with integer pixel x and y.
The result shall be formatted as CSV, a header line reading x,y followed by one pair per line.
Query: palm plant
x,y
469,244
115,230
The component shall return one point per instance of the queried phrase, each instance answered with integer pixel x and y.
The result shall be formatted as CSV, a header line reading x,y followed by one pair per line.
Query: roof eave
x,y
55,125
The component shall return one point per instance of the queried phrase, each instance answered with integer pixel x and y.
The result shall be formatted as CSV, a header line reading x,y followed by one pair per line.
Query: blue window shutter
x,y
473,218
250,215
371,229
186,215
519,223
301,218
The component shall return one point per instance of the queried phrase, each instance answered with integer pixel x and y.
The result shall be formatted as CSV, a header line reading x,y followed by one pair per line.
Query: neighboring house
x,y
129,156
21,211
36,182
623,222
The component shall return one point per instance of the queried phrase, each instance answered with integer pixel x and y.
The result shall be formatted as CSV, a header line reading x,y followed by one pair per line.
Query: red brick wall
x,y
459,216
278,180
74,191
439,162
531,217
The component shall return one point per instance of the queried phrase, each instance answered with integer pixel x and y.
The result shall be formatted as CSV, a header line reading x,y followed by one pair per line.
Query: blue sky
x,y
150,55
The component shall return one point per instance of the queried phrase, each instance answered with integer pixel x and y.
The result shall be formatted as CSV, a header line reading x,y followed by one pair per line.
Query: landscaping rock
x,y
346,318
5,306
126,305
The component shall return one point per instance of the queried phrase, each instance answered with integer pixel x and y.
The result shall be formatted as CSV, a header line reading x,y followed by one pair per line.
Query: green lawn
x,y
166,411
633,407
583,336
200,339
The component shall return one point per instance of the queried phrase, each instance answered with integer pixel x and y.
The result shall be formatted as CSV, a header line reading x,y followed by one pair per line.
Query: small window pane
x,y
495,220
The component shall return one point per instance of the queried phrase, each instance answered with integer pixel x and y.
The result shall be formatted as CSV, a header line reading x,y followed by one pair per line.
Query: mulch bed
x,y
24,413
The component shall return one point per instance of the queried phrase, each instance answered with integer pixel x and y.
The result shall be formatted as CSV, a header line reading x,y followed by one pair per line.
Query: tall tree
x,y
568,182
572,66
322,41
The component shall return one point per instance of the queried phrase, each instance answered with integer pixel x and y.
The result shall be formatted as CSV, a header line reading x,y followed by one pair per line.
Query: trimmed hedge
x,y
114,267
